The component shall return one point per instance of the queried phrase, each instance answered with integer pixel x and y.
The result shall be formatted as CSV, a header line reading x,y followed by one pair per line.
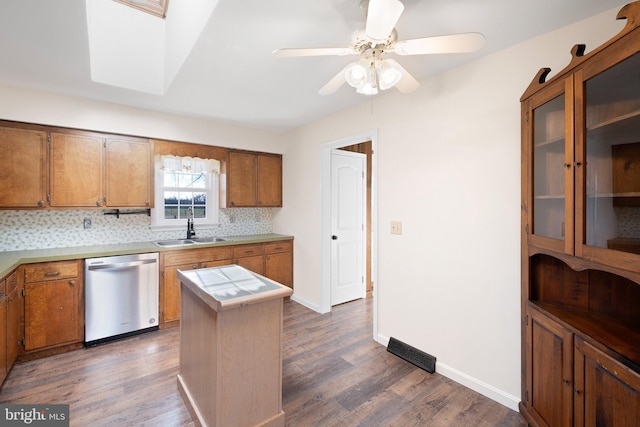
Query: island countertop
x,y
230,286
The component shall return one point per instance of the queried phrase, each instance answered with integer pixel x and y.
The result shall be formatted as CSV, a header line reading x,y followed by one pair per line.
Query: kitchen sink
x,y
209,239
176,242
185,242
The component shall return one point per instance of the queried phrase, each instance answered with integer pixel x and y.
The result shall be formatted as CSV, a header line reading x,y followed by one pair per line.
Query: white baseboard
x,y
306,303
474,384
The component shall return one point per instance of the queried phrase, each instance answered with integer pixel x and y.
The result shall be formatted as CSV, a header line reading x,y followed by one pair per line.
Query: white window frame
x,y
160,223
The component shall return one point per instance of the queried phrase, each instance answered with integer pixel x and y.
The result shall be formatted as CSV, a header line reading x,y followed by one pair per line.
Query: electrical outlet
x,y
86,223
396,227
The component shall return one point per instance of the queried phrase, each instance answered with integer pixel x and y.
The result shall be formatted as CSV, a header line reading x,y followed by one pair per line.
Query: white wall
x,y
449,169
32,106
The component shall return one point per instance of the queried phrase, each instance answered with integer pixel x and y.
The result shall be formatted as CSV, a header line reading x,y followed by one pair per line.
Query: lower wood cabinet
x,y
607,393
15,318
11,308
250,257
278,262
54,310
572,383
186,259
273,260
549,394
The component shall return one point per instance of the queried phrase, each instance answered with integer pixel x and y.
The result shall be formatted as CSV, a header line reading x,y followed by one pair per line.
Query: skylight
x,y
135,50
155,7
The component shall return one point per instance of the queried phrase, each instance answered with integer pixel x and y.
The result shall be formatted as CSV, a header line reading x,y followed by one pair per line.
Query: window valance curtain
x,y
187,164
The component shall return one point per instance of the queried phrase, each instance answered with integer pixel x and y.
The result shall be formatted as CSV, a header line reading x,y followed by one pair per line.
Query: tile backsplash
x,y
21,230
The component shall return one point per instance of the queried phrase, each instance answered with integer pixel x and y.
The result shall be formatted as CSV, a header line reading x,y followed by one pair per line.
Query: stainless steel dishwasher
x,y
121,296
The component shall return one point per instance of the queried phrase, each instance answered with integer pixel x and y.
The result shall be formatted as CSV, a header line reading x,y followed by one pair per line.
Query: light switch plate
x,y
396,227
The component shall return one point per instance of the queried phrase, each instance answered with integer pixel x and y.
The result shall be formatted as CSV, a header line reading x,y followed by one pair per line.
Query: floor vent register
x,y
413,355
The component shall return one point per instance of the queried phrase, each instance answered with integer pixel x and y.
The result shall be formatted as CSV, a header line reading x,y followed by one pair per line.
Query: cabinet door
x,y
550,166
129,173
15,327
171,292
24,168
253,263
77,170
608,108
269,180
52,313
279,267
3,333
607,392
549,359
242,179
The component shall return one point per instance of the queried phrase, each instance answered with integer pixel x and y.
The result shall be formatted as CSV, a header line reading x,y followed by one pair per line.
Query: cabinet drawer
x,y
50,271
189,256
277,247
247,250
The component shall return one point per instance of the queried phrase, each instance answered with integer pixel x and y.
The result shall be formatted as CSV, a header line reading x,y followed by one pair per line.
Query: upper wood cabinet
x,y
254,179
129,173
581,153
90,170
64,168
23,174
77,170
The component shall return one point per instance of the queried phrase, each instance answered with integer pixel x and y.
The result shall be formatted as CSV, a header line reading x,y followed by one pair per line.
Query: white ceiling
x,y
230,74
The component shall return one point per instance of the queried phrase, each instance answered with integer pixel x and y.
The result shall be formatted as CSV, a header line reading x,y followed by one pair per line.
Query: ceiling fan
x,y
371,72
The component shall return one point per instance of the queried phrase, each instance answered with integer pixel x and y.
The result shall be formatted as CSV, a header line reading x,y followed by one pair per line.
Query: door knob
x,y
334,237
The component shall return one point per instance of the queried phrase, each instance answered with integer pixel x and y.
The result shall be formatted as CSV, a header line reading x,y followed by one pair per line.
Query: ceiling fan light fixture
x,y
356,73
388,75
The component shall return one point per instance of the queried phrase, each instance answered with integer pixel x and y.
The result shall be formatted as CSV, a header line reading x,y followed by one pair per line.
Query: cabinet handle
x,y
40,202
146,203
193,267
52,273
567,165
72,282
13,282
577,164
248,252
97,202
10,299
565,381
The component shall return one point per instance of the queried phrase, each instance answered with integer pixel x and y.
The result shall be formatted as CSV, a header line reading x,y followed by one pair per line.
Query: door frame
x,y
325,158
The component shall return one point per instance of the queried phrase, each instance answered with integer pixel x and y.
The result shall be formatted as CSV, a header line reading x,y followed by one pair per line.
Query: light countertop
x,y
230,286
12,259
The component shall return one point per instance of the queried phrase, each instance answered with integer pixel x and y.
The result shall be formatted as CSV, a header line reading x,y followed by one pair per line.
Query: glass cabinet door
x,y
551,201
548,170
611,202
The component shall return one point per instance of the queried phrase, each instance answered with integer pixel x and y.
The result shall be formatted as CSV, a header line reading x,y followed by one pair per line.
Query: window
x,y
183,184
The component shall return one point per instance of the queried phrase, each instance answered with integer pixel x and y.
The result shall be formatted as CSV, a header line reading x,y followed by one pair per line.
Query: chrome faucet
x,y
191,233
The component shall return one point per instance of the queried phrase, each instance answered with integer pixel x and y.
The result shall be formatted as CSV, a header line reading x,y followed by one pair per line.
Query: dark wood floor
x,y
334,374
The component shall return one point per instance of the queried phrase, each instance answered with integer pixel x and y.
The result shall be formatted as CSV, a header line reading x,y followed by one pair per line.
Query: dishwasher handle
x,y
116,266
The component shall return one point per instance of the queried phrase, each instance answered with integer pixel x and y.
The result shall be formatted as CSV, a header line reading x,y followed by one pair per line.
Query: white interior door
x,y
348,200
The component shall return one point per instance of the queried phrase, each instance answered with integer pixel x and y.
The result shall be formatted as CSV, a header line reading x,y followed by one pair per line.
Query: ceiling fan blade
x,y
407,82
382,16
455,43
312,51
333,84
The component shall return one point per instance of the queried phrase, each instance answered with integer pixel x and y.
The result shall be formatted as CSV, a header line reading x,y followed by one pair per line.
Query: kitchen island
x,y
231,347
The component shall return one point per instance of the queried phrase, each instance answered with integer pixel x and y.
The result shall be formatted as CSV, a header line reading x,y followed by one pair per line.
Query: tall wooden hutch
x,y
581,237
